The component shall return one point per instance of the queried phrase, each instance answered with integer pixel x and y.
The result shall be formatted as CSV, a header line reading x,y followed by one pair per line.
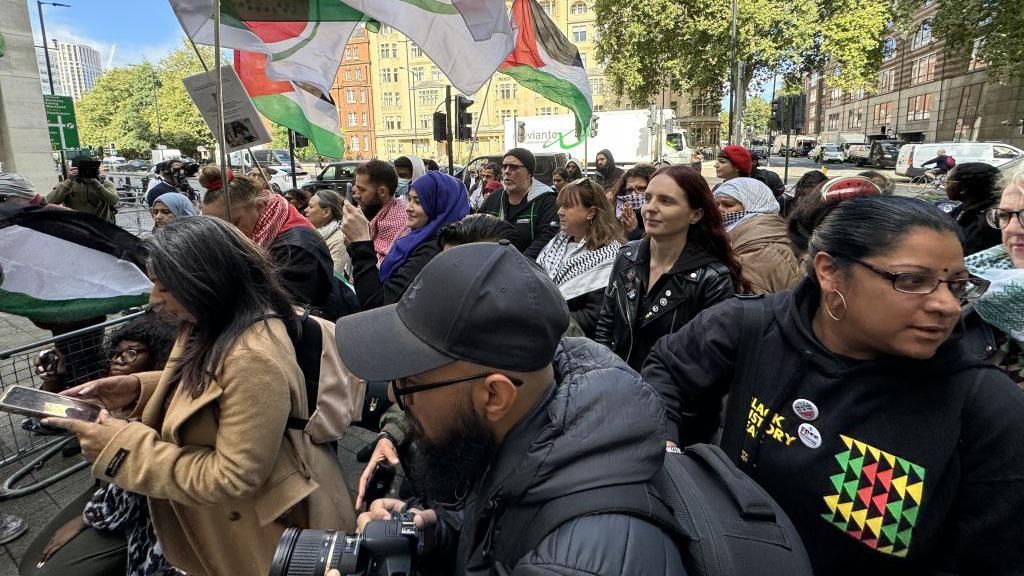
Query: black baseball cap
x,y
483,303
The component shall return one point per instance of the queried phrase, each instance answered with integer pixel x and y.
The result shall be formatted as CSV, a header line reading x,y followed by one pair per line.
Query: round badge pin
x,y
809,435
805,409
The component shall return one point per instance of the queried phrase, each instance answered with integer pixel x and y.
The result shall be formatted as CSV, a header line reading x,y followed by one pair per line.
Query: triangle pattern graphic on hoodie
x,y
877,497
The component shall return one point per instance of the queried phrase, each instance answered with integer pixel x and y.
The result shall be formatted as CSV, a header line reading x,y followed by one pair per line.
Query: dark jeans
x,y
91,553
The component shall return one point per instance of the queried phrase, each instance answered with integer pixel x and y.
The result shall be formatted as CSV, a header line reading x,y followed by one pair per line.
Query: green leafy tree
x,y
757,113
688,42
996,25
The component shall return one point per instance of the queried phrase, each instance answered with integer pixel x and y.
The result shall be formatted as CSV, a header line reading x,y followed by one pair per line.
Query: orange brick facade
x,y
353,95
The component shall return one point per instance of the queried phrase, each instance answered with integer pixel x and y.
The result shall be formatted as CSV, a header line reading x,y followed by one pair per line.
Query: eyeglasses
x,y
636,190
999,218
512,167
918,283
128,355
399,387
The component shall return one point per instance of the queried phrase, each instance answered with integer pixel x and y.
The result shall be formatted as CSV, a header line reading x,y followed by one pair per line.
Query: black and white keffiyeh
x,y
113,508
575,269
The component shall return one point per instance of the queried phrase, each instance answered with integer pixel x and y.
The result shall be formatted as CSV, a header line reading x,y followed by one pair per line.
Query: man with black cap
x,y
508,417
526,203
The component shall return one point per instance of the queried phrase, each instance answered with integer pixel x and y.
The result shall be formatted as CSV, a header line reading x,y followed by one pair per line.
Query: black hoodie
x,y
920,464
610,174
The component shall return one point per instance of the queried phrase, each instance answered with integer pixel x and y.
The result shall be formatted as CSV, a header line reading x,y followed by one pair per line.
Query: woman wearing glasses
x,y
861,411
995,328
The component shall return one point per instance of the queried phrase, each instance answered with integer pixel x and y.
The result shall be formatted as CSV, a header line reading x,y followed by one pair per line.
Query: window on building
x,y
359,74
836,96
833,121
428,97
362,95
366,119
888,49
976,62
919,107
704,106
414,51
348,74
882,113
858,94
390,99
813,96
354,143
923,69
417,74
352,119
548,6
349,53
350,96
393,122
388,75
597,85
854,118
546,111
579,33
385,29
426,121
366,143
505,115
886,81
578,8
923,36
383,50
507,91
435,73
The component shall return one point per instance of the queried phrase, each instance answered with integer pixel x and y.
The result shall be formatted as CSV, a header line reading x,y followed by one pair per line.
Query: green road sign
x,y
60,116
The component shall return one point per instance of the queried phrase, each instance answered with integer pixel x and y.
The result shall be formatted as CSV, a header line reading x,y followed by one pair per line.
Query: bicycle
x,y
930,185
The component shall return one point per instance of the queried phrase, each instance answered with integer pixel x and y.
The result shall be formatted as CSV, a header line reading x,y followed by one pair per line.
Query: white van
x,y
913,155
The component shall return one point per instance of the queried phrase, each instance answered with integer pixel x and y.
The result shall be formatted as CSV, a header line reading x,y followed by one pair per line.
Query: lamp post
x,y
49,69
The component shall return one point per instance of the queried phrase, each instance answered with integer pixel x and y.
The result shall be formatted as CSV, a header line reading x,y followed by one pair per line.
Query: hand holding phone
x,y
41,404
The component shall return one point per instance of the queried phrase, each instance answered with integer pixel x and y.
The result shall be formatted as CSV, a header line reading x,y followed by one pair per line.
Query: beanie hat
x,y
740,158
526,157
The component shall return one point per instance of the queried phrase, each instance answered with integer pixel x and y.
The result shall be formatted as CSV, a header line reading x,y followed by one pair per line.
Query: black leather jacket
x,y
633,317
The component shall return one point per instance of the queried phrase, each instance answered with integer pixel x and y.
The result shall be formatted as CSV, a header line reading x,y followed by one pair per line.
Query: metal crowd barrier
x,y
24,453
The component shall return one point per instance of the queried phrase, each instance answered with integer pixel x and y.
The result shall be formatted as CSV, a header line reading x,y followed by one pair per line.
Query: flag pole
x,y
221,137
476,130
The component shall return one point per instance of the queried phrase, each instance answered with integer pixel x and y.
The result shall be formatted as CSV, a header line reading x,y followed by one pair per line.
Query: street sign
x,y
60,116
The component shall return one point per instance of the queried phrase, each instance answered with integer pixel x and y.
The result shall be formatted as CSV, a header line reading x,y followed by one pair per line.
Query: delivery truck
x,y
632,136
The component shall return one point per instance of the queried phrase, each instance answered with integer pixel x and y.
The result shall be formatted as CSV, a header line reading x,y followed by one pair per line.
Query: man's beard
x,y
370,210
444,471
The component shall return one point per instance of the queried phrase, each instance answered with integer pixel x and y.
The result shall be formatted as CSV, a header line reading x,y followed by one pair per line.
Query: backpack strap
x,y
308,344
734,424
530,526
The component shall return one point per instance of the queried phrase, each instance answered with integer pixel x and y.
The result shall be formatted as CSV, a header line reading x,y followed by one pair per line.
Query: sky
x,y
131,30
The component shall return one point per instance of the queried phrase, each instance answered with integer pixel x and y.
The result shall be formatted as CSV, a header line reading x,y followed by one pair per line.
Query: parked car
x,y
137,165
996,154
883,153
858,154
825,153
760,152
337,176
113,163
281,178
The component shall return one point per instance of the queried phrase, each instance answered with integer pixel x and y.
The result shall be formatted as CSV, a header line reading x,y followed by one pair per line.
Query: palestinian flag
x,y
62,266
297,105
545,62
304,40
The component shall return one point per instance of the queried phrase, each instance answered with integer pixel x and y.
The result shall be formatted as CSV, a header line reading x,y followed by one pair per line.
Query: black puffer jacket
x,y
600,425
903,466
633,317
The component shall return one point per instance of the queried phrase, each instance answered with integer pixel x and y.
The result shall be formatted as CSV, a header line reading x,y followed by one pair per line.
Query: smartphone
x,y
32,402
379,484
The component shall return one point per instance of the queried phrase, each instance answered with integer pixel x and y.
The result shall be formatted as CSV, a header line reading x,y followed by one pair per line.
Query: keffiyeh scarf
x,y
575,269
269,224
1002,305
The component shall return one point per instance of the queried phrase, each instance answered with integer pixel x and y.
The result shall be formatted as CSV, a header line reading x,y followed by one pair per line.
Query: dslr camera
x,y
385,548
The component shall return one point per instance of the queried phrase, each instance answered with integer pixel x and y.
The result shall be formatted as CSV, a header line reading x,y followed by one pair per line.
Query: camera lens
x,y
307,552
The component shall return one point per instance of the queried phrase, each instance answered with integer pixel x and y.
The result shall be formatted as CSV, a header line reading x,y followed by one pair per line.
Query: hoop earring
x,y
829,310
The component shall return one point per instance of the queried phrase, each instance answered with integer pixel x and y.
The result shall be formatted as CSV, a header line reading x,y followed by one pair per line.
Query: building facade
x,y
407,88
925,93
78,66
44,73
352,93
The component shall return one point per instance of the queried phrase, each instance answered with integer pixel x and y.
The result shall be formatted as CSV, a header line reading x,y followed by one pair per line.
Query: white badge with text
x,y
805,409
809,435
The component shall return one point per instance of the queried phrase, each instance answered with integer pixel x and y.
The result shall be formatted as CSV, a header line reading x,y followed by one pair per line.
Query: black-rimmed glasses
x,y
400,388
999,218
920,283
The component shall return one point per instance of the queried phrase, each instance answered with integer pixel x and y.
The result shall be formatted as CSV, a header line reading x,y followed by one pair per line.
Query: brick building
x,y
353,95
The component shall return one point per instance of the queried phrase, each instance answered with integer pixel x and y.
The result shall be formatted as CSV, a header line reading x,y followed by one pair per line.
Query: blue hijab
x,y
445,200
177,203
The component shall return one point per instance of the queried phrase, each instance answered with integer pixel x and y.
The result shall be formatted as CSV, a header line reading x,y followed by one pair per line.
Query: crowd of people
x,y
541,341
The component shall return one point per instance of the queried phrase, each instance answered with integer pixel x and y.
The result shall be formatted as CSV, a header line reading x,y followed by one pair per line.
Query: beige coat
x,y
766,254
339,253
223,475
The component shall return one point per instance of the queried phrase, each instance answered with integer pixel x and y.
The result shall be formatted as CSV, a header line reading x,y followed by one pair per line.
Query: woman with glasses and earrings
x,y
995,327
106,530
855,403
579,258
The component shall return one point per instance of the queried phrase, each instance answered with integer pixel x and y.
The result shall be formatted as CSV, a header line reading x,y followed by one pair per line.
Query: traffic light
x,y
776,114
440,127
463,119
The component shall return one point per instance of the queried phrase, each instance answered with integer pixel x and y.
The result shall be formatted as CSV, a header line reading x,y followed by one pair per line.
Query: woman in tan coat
x,y
211,449
758,235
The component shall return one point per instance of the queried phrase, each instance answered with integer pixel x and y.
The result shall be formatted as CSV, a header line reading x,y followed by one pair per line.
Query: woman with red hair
x,y
682,266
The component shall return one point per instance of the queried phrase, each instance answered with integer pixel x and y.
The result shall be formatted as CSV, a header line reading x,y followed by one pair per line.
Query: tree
x,y
996,27
687,42
279,140
757,113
